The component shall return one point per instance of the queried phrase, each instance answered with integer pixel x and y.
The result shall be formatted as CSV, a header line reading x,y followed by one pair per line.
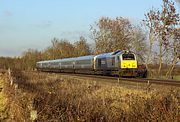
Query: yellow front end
x,y
130,64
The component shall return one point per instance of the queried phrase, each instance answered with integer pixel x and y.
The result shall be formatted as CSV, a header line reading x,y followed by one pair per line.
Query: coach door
x,y
102,63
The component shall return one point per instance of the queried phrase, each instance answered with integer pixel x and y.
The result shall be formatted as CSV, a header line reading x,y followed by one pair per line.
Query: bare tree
x,y
59,49
29,58
174,48
162,24
81,47
138,44
112,34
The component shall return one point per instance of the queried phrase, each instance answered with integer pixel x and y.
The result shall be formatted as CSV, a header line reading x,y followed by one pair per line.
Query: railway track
x,y
137,80
155,81
117,79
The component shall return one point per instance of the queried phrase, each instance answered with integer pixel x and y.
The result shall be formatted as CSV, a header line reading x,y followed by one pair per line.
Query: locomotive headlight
x,y
124,64
133,65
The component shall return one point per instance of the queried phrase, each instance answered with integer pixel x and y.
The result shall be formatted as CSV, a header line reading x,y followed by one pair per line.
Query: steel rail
x,y
119,79
155,81
137,80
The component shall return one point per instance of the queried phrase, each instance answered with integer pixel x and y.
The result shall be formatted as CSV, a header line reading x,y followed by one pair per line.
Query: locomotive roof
x,y
110,54
85,57
105,54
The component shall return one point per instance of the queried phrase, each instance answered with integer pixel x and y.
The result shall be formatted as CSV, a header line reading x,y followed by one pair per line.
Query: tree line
x,y
156,41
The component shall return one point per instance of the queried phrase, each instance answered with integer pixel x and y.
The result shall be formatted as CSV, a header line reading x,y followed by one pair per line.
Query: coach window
x,y
113,61
118,58
99,62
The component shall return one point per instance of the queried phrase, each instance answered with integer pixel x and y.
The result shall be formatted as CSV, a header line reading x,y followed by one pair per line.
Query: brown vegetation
x,y
42,97
164,29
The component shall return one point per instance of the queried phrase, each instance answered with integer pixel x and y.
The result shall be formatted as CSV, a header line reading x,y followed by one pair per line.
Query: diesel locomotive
x,y
122,63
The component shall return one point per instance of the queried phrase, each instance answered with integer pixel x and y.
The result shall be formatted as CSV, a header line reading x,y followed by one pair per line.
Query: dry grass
x,y
3,100
43,97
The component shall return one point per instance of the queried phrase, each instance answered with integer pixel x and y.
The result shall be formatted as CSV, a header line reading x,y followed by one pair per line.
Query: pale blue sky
x,y
33,23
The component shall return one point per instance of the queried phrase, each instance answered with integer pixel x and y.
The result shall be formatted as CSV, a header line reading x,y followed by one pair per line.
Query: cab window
x,y
128,57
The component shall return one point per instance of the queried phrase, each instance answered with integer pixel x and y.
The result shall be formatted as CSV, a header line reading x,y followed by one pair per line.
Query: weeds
x,y
42,97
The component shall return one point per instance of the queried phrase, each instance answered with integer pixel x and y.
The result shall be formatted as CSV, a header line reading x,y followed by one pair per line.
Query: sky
x,y
26,24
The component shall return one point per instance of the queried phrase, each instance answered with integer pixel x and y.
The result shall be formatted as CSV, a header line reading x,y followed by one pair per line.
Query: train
x,y
122,63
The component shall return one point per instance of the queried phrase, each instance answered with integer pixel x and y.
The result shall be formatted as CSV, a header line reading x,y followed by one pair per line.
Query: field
x,y
33,96
177,77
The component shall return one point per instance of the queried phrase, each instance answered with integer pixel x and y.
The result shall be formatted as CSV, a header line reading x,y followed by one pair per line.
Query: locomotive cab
x,y
128,64
128,60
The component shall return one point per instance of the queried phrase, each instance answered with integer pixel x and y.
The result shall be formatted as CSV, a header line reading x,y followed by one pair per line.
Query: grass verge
x,y
51,97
